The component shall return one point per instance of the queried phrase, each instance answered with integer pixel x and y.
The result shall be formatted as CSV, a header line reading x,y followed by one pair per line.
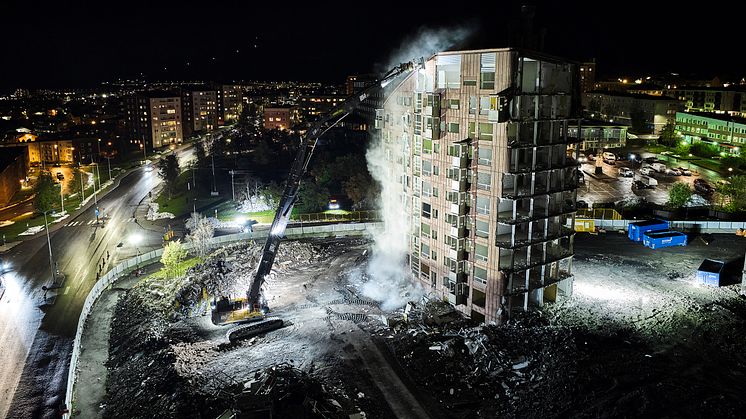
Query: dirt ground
x,y
638,338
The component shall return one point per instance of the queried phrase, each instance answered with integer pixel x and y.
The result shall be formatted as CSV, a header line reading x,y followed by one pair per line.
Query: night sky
x,y
80,45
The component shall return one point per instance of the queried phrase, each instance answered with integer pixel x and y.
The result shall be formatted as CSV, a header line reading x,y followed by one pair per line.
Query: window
x,y
480,275
427,168
487,70
485,156
486,131
453,127
487,80
480,252
425,251
483,205
425,229
426,210
470,82
482,229
454,103
434,255
484,105
484,181
472,105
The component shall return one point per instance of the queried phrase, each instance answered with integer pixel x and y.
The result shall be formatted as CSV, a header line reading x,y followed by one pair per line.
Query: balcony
x,y
458,232
521,239
460,185
459,208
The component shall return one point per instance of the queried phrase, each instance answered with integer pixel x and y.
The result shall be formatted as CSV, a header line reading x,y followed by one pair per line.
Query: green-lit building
x,y
727,132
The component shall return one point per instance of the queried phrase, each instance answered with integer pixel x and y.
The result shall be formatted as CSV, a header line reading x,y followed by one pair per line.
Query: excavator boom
x,y
298,170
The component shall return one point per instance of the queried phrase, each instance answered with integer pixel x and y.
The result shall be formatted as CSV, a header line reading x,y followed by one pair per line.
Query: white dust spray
x,y
390,280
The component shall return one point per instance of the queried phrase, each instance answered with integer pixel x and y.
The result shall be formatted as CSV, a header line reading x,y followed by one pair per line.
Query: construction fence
x,y
598,213
322,217
129,265
587,225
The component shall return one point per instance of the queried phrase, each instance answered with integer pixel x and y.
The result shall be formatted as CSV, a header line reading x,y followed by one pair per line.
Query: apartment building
x,y
730,100
204,110
596,135
154,119
643,114
726,132
230,99
477,143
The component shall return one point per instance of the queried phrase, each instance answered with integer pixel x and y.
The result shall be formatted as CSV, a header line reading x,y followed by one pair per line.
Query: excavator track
x,y
252,329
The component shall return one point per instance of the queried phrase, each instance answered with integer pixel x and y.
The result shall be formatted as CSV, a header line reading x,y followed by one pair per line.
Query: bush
x,y
732,161
678,195
704,150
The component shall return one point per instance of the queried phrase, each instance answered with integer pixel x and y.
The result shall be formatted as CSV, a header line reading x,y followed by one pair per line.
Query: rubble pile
x,y
525,365
284,391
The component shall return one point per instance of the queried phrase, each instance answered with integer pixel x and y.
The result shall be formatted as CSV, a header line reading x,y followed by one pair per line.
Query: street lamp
x,y
49,246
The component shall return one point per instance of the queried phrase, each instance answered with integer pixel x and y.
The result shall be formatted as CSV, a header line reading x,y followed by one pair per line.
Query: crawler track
x,y
252,329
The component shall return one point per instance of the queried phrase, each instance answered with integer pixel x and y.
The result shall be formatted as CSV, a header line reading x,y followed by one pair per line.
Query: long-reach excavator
x,y
252,309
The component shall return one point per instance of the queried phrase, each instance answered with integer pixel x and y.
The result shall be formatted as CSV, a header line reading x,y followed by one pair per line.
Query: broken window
x,y
448,69
426,210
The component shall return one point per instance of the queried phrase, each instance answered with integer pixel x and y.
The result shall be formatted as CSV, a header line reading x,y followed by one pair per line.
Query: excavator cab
x,y
237,310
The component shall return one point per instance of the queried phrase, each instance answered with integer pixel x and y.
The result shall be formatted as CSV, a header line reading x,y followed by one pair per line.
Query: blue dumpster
x,y
667,238
636,230
709,272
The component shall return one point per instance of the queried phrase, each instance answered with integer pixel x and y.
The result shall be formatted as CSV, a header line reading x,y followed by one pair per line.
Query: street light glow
x,y
135,239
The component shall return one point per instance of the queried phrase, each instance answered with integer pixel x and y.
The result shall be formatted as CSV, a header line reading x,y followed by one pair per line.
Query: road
x,y
36,335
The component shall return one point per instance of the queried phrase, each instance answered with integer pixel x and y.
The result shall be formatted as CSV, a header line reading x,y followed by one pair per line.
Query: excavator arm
x,y
298,170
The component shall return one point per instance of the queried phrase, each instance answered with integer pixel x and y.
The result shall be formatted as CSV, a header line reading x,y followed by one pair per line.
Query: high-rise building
x,y
730,100
154,119
476,147
204,110
229,103
588,76
278,117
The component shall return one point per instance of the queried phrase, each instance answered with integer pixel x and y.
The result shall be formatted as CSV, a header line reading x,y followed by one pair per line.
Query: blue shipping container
x,y
709,272
668,238
636,230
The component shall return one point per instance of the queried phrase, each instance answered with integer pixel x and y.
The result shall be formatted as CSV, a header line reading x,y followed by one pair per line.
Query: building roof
x,y
716,116
633,95
731,88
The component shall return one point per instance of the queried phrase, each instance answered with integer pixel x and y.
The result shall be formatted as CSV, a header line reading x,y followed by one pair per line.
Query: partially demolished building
x,y
477,141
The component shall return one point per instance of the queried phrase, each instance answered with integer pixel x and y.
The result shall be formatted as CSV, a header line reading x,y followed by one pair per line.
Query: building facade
x,y
277,117
476,143
230,100
588,76
165,121
204,110
643,114
154,119
728,133
711,99
596,135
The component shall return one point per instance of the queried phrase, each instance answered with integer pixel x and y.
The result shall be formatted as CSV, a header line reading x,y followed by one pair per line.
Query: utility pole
x,y
62,200
108,160
214,186
49,246
82,189
233,185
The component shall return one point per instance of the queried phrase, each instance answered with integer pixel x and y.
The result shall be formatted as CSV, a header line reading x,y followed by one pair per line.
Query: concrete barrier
x,y
128,265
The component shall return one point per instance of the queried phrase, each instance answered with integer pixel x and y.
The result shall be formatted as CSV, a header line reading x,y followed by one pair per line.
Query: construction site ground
x,y
638,338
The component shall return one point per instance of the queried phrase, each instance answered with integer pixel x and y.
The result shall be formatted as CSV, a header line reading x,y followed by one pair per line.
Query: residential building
x,y
229,103
277,117
154,119
725,131
596,134
643,114
730,100
204,110
588,76
313,105
476,149
367,109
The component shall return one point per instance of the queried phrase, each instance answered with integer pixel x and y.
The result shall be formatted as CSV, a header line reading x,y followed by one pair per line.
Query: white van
x,y
659,167
609,158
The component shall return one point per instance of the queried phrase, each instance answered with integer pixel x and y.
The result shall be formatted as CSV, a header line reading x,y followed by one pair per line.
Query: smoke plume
x,y
389,278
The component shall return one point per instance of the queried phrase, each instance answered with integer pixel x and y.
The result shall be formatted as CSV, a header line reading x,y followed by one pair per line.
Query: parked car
x,y
625,172
702,187
647,170
659,167
582,158
609,158
60,176
684,171
650,159
673,172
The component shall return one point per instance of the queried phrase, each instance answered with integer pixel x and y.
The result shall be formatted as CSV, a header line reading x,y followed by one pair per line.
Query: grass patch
x,y
183,201
228,213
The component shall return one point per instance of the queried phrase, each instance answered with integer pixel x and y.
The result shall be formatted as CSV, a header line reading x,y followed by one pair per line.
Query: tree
x,y
638,123
679,194
200,154
668,135
173,254
311,197
731,162
168,169
735,190
200,233
46,193
705,150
